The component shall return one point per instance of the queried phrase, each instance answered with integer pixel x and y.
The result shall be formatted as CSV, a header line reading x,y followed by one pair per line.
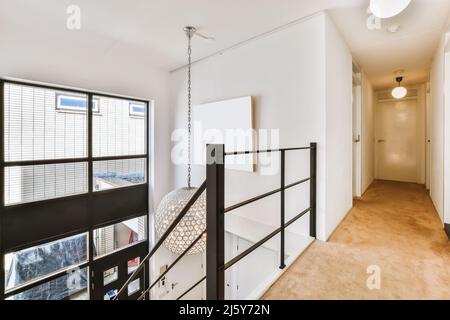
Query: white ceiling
x,y
151,27
381,53
151,30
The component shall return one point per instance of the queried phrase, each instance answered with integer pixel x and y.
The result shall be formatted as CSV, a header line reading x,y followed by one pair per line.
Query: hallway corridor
x,y
395,227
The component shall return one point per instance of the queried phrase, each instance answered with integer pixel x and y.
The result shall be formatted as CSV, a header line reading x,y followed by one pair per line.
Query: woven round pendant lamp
x,y
194,222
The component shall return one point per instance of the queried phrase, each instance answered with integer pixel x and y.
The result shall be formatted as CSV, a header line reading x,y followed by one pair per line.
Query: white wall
x,y
339,128
446,213
368,134
287,73
437,129
179,279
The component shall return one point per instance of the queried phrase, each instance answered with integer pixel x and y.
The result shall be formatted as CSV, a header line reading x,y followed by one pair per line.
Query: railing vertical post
x,y
282,208
215,250
312,188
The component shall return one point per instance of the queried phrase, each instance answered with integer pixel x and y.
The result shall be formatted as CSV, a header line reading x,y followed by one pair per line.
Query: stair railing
x,y
158,244
215,250
215,213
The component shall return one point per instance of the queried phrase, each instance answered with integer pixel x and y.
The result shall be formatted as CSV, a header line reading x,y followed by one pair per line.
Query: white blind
x,y
116,132
41,182
36,130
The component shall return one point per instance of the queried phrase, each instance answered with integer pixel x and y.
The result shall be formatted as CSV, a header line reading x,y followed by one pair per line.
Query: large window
x,y
72,162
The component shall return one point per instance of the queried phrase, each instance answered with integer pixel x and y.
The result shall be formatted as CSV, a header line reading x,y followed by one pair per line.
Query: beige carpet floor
x,y
395,227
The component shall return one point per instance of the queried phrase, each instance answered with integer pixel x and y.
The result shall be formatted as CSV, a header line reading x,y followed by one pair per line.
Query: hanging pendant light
x,y
399,92
194,222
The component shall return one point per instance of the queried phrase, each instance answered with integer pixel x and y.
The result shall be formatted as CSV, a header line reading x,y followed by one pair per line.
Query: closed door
x,y
396,141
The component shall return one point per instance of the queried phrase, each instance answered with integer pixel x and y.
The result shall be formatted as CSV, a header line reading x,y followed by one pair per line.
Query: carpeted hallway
x,y
395,227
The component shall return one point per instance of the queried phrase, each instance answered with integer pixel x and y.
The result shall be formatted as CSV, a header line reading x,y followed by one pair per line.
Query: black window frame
x,y
29,224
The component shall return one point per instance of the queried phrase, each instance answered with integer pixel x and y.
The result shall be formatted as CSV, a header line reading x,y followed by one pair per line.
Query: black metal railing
x,y
215,227
215,251
158,244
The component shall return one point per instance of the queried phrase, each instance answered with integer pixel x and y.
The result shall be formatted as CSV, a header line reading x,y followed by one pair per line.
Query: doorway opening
x,y
400,136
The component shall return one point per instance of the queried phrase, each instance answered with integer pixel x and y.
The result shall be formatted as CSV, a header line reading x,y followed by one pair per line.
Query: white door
x,y
396,141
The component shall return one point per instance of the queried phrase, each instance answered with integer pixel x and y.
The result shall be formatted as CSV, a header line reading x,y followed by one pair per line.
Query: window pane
x,y
134,287
111,294
118,127
133,264
33,263
70,286
33,183
110,275
120,235
118,173
37,126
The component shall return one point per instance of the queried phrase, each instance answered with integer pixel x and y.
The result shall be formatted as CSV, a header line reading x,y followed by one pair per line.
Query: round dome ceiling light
x,y
388,8
399,92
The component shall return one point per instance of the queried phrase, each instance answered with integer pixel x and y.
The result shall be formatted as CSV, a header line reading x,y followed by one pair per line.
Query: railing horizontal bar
x,y
262,196
301,214
296,183
236,153
251,200
158,244
190,289
262,241
174,263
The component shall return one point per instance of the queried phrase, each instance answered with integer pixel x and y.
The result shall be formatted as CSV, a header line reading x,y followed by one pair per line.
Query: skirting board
x,y
447,230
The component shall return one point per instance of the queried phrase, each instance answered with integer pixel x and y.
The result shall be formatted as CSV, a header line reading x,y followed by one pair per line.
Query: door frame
x,y
357,93
421,129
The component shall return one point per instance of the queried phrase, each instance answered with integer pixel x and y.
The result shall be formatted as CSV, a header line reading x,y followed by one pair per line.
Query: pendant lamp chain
x,y
189,111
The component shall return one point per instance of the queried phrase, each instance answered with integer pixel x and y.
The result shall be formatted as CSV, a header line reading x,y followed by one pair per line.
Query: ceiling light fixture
x,y
399,92
385,9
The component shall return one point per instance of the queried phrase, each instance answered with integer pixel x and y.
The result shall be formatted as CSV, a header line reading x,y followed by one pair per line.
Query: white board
x,y
228,122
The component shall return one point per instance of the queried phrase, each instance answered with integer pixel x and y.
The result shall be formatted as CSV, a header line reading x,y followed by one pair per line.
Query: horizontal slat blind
x,y
36,130
41,182
117,132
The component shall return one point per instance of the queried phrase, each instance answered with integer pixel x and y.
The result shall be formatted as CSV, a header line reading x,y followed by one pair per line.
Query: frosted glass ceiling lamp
x,y
385,9
399,92
194,222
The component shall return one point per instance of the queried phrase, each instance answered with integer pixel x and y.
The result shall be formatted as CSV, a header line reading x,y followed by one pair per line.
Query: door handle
x,y
380,141
357,139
